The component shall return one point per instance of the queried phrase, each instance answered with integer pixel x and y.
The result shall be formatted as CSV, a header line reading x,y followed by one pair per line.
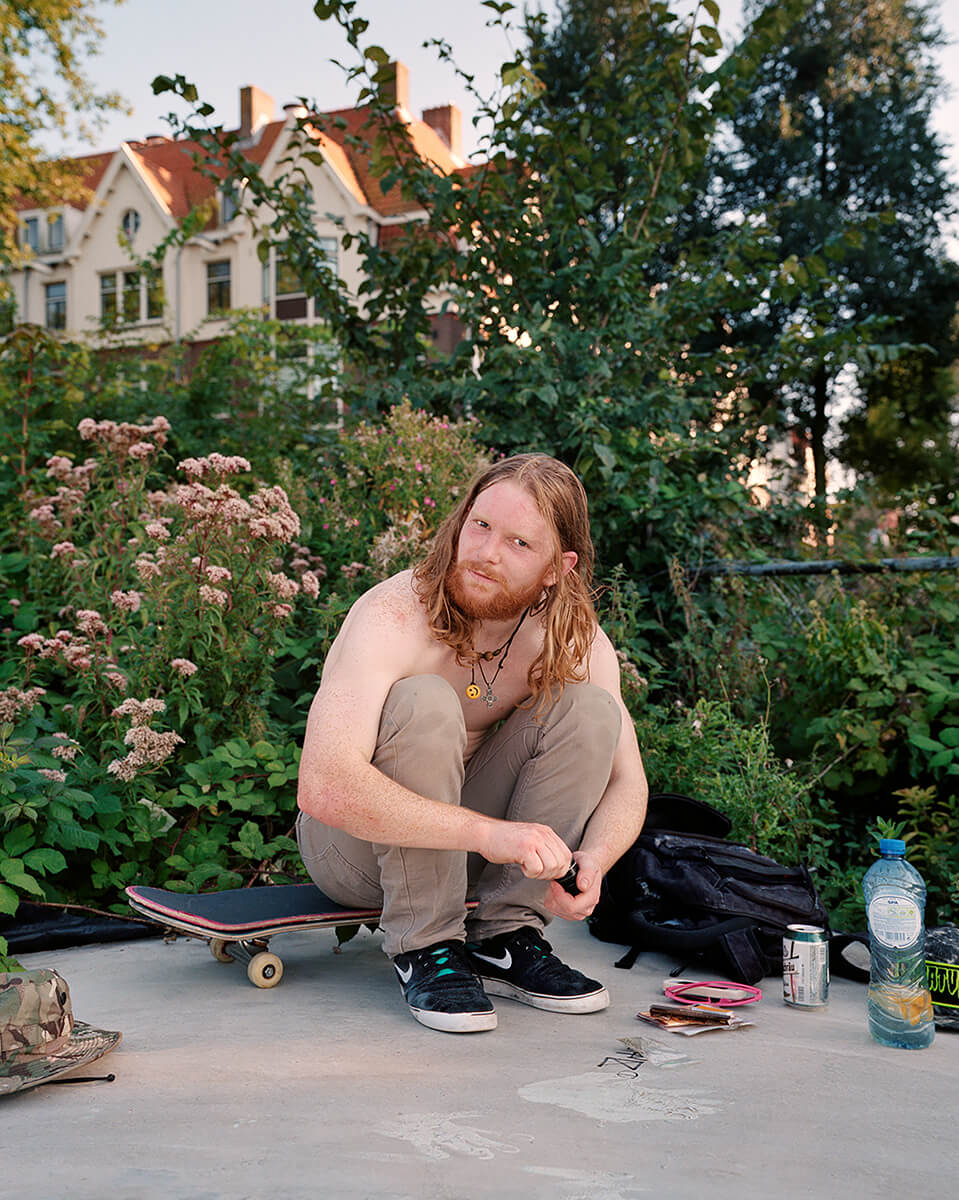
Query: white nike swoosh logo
x,y
404,975
505,962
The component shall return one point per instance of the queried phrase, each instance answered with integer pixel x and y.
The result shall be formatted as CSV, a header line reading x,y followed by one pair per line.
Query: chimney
x,y
397,86
447,120
256,110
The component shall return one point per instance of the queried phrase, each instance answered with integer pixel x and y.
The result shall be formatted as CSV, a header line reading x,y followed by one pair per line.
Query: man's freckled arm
x,y
619,816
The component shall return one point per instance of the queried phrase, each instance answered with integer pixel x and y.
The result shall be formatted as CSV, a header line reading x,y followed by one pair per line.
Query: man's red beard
x,y
498,602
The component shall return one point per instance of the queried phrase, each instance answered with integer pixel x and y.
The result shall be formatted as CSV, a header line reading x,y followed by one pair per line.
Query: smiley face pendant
x,y
472,691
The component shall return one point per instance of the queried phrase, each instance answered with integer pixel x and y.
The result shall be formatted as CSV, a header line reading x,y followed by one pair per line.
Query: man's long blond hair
x,y
566,610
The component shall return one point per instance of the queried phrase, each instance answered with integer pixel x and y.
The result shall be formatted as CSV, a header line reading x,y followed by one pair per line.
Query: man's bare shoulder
x,y
391,602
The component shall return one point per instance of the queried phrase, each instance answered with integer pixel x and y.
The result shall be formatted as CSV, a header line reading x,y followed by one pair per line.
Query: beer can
x,y
805,966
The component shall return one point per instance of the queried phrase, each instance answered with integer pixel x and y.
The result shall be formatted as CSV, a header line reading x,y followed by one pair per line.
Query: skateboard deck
x,y
239,923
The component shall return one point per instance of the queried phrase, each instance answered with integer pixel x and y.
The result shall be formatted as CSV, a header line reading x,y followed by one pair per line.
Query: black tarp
x,y
47,927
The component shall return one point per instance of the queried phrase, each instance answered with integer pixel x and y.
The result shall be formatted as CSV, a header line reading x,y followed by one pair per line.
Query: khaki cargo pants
x,y
552,769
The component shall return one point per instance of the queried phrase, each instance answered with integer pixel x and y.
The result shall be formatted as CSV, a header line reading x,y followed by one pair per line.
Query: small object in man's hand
x,y
568,882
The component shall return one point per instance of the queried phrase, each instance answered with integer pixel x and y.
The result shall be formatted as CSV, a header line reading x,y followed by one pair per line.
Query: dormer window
x,y
229,204
55,231
130,223
31,233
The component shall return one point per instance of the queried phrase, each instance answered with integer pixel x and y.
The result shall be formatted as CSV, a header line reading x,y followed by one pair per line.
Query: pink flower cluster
x,y
120,437
215,596
214,464
149,746
273,516
310,584
68,750
14,702
282,585
183,667
127,601
90,622
76,652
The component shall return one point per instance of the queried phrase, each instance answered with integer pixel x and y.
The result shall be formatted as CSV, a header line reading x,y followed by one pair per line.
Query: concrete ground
x,y
325,1087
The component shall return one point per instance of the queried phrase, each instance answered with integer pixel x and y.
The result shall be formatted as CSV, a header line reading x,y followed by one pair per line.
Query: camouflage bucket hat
x,y
39,1039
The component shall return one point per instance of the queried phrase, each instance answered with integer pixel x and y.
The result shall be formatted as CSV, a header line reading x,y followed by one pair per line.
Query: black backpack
x,y
683,890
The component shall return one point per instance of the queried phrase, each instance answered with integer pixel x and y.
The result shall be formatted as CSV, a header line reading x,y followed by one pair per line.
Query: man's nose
x,y
491,548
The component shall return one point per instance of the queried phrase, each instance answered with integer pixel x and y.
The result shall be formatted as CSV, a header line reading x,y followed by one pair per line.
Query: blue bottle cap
x,y
892,846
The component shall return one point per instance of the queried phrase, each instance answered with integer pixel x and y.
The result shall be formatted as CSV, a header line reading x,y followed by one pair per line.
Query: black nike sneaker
x,y
442,989
522,966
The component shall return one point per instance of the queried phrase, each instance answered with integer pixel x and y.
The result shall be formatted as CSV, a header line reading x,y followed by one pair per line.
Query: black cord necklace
x,y
473,691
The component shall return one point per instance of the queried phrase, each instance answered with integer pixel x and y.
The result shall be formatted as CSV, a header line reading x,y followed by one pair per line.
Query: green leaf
x,y
45,860
9,900
925,743
19,839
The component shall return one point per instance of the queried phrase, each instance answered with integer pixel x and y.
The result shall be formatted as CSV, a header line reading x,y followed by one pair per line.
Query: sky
x,y
281,47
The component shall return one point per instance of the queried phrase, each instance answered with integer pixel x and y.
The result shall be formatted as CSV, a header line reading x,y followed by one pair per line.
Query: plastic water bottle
x,y
899,1005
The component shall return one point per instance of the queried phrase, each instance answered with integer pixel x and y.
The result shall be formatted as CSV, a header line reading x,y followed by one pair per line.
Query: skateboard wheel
x,y
265,970
219,951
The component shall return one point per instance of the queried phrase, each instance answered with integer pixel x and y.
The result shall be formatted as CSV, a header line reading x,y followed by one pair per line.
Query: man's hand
x,y
577,907
537,849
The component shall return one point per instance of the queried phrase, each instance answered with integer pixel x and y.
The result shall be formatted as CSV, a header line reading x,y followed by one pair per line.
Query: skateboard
x,y
239,923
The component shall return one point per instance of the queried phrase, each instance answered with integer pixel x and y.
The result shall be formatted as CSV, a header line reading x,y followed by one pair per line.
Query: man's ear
x,y
568,560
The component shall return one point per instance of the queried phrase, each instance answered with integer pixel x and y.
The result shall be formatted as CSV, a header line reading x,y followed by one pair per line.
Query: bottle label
x,y
894,920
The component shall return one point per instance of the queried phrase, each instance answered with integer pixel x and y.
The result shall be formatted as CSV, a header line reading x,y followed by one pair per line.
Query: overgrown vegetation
x,y
177,558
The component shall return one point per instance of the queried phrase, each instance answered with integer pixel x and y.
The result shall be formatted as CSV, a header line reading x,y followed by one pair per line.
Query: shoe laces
x,y
447,957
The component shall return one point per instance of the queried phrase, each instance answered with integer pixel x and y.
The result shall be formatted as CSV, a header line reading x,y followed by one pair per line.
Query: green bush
x,y
164,639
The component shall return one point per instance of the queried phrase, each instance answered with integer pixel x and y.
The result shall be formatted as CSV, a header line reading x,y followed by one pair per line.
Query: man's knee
x,y
594,712
426,704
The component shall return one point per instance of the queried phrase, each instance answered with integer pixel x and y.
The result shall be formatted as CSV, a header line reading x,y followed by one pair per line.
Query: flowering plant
x,y
386,487
172,593
168,638
170,601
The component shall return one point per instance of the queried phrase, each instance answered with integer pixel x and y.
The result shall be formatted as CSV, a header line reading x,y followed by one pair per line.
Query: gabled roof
x,y
92,169
167,165
343,125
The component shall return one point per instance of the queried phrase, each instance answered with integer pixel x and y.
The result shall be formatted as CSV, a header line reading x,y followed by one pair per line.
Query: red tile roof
x,y
168,164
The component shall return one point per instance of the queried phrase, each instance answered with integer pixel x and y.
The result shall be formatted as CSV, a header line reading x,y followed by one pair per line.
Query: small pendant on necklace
x,y
489,698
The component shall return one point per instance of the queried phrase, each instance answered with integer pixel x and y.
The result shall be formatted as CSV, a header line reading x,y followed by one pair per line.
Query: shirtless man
x,y
468,731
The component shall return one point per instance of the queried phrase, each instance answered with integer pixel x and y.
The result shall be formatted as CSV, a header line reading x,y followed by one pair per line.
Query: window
x,y
31,233
229,204
55,231
289,291
131,296
56,306
108,297
154,296
130,223
283,288
217,286
331,249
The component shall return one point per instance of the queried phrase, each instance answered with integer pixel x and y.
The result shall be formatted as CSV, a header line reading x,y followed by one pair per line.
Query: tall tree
x,y
832,151
550,250
43,88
